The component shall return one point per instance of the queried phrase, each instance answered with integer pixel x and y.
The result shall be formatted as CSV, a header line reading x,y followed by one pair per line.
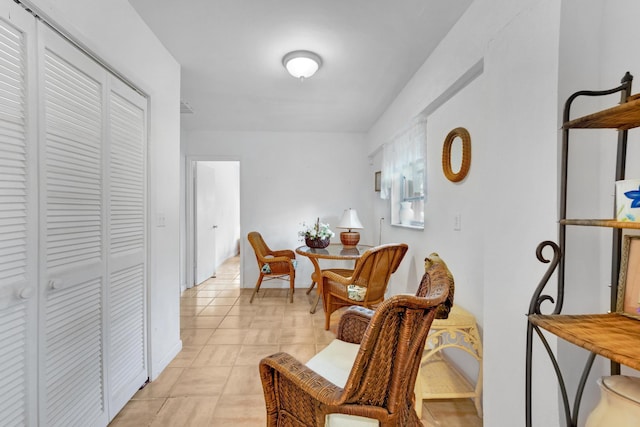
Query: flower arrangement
x,y
316,233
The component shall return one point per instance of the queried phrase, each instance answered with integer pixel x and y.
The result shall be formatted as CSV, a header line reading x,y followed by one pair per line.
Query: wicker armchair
x,y
370,275
272,264
381,351
359,317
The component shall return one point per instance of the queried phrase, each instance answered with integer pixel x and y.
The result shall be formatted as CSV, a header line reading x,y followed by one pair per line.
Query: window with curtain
x,y
403,178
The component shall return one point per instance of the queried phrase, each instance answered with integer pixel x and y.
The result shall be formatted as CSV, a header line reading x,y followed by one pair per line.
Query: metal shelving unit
x,y
583,330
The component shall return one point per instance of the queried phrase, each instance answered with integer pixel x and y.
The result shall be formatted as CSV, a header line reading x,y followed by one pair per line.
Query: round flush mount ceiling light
x,y
301,64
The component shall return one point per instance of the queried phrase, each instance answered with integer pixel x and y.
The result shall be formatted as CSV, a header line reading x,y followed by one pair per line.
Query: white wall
x,y
288,178
114,31
508,202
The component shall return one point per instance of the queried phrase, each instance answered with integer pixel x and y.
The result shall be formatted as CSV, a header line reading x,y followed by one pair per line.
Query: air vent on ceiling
x,y
185,108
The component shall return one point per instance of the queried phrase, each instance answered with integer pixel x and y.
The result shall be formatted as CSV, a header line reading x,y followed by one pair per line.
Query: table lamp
x,y
350,221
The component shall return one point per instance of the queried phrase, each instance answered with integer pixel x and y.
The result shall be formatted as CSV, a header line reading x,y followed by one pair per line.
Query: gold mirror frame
x,y
463,134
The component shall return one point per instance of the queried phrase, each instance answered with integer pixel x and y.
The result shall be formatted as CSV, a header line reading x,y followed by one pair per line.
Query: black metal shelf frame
x,y
558,261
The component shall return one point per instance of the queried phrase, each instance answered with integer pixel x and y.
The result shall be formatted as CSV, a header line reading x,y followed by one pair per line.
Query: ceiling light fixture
x,y
301,64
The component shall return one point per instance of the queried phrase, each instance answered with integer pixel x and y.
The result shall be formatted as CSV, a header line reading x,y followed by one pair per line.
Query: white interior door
x,y
93,245
18,219
72,203
126,316
205,232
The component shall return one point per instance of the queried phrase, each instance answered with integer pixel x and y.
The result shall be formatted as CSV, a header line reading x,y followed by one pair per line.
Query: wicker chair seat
x,y
278,267
334,363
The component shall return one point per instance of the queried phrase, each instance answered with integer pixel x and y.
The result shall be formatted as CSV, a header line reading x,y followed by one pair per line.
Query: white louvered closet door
x,y
127,360
73,235
18,219
72,232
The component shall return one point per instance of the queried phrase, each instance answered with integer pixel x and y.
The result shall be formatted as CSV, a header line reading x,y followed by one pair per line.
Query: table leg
x,y
315,304
311,287
316,278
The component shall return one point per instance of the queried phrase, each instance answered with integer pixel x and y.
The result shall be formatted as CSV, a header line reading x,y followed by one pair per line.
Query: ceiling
x,y
231,56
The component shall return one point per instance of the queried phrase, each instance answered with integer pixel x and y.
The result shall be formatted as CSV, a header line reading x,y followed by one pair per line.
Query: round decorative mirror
x,y
461,155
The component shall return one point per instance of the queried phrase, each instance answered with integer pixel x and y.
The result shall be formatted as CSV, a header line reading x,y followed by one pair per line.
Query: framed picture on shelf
x,y
628,300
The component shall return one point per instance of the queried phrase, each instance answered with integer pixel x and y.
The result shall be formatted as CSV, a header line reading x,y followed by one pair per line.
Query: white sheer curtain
x,y
406,149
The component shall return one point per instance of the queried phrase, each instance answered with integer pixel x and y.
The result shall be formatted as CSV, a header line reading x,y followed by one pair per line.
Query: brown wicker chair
x,y
272,264
371,272
380,383
429,284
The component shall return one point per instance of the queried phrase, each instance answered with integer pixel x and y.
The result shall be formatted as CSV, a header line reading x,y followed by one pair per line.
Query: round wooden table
x,y
335,251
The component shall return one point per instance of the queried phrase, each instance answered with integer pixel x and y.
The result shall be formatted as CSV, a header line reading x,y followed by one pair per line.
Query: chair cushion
x,y
356,293
334,362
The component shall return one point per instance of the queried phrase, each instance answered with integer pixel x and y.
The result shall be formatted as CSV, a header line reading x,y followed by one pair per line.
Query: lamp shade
x,y
350,220
301,64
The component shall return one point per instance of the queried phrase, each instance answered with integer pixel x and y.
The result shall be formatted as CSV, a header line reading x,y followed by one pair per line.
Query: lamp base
x,y
350,239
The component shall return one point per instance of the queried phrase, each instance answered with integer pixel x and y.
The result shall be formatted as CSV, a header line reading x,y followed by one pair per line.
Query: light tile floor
x,y
214,380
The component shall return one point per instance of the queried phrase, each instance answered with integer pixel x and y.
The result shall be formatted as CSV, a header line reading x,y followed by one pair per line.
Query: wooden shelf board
x,y
442,380
613,335
622,116
601,223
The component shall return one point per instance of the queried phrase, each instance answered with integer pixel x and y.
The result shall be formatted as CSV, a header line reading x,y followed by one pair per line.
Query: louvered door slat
x,y
8,63
12,143
67,151
10,106
81,170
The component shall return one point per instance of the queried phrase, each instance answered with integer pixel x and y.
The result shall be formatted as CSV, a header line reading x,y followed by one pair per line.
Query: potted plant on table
x,y
317,235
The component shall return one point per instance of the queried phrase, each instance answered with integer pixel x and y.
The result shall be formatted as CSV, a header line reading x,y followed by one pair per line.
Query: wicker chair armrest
x,y
310,382
337,277
285,252
353,324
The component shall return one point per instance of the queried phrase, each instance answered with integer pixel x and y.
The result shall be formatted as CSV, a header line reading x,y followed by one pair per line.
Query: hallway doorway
x,y
214,216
